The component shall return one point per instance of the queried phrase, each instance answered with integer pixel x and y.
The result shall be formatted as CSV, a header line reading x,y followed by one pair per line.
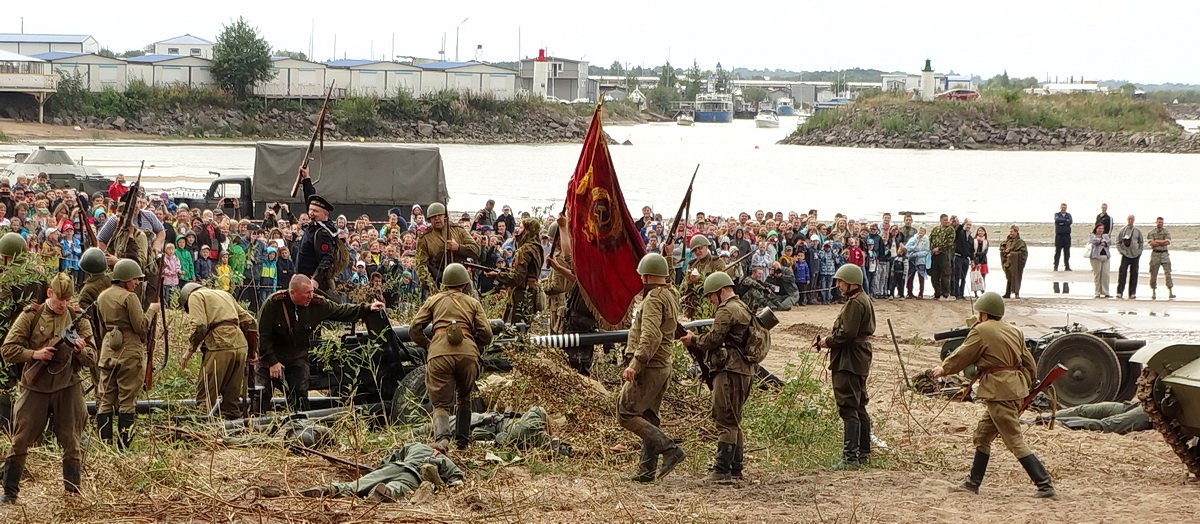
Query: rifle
x,y
251,363
738,261
68,336
1054,374
362,468
480,267
898,357
120,237
687,201
697,357
151,339
319,132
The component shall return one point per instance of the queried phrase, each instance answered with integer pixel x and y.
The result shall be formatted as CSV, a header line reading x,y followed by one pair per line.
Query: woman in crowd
x,y
1098,243
920,256
979,259
1013,254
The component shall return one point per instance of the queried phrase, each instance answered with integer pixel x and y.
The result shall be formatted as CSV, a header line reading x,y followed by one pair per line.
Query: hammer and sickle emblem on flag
x,y
603,227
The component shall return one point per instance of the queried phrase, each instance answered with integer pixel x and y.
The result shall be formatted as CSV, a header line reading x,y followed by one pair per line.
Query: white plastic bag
x,y
976,280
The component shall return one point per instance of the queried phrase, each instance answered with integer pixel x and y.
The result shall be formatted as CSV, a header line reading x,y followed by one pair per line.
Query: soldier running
x,y
850,361
997,349
724,350
648,369
123,352
460,331
225,332
50,383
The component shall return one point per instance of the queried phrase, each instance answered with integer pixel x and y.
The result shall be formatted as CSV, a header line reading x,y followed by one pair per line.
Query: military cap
x,y
319,201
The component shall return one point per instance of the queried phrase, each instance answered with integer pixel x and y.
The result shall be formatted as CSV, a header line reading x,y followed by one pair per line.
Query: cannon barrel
x,y
147,406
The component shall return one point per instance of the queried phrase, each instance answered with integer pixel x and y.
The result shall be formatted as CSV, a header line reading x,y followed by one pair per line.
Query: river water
x,y
741,168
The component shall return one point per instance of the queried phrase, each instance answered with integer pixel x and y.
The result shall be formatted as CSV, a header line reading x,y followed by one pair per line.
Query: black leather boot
x,y
851,433
723,464
125,429
72,475
647,463
462,427
975,478
864,441
13,469
104,424
1039,476
735,468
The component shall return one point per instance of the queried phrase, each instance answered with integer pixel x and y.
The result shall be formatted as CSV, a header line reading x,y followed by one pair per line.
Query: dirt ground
x,y
1099,477
36,131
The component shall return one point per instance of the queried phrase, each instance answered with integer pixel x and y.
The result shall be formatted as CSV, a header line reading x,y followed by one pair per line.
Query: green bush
x,y
897,123
358,115
402,106
439,105
796,426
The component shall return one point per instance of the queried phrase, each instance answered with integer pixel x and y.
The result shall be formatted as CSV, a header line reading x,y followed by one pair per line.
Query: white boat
x,y
766,118
685,118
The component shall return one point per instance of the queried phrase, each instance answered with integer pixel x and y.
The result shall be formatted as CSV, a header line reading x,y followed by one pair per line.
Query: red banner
x,y
605,244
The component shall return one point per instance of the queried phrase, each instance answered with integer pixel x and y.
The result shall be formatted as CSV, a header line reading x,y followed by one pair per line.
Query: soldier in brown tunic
x,y
850,361
442,244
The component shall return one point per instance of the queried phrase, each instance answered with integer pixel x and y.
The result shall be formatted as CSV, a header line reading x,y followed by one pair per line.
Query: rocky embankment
x,y
275,123
960,133
1184,111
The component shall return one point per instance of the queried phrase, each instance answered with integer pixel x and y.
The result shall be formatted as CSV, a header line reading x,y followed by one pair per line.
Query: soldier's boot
x,y
72,470
125,429
1039,476
104,424
6,408
975,477
11,479
735,467
318,492
462,426
1153,294
864,441
647,463
441,430
723,464
1170,292
429,473
851,433
384,492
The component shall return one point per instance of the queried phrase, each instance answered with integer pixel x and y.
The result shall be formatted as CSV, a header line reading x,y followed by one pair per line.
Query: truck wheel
x,y
411,399
1129,379
1094,372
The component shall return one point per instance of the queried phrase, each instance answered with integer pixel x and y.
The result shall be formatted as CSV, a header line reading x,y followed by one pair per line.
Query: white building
x,y
473,77
295,78
27,75
186,45
1051,88
35,44
373,77
168,70
97,72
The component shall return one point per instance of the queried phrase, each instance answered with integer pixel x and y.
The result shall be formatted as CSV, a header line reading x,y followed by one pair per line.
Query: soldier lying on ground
x,y
521,431
398,475
1108,417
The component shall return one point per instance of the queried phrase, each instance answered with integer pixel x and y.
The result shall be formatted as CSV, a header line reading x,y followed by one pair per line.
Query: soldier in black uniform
x,y
286,323
314,259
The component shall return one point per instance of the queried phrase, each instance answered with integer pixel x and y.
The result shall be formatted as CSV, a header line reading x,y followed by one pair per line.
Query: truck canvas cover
x,y
364,174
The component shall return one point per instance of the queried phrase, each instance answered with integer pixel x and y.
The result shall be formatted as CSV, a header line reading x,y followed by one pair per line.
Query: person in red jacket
x,y
854,254
117,189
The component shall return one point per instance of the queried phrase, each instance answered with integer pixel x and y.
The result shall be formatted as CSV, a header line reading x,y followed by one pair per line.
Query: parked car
x,y
959,94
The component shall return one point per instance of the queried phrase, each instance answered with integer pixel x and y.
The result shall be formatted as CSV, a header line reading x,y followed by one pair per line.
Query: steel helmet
x,y
435,209
11,244
697,241
126,270
186,293
850,274
717,281
93,261
455,275
308,434
990,303
653,264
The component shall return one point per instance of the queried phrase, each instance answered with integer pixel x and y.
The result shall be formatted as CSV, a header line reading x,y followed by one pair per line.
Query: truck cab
x,y
234,195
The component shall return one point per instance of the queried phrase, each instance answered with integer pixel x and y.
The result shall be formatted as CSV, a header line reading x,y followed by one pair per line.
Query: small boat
x,y
685,118
785,107
766,118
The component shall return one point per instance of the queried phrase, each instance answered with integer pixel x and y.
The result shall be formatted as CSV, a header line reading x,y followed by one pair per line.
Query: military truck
x,y
63,170
1169,391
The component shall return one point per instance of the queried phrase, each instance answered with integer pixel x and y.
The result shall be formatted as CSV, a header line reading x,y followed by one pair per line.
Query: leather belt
x,y
1001,368
442,331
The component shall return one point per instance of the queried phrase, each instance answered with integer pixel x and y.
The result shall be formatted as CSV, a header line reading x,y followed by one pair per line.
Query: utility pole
x,y
456,32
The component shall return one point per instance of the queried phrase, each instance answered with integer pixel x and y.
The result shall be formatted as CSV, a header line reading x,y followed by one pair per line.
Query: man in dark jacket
x,y
1062,237
964,251
1105,218
850,361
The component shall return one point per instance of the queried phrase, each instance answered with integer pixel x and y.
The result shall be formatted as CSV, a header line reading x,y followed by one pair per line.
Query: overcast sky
x,y
1148,41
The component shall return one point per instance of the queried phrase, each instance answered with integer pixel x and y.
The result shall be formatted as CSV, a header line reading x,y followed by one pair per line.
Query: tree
x,y
666,76
291,54
695,81
754,94
661,97
241,59
1128,88
615,68
631,81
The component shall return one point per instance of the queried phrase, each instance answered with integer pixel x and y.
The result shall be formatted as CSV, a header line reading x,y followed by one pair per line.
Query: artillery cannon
x,y
1169,391
1100,364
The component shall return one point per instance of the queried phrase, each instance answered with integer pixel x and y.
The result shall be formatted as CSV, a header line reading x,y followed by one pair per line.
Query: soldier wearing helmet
x,y
521,278
226,333
123,351
1006,367
95,266
850,361
442,244
724,347
704,263
460,331
648,369
52,357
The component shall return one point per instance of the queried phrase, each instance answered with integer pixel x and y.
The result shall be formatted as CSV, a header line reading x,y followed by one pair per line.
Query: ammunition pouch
x,y
454,333
114,340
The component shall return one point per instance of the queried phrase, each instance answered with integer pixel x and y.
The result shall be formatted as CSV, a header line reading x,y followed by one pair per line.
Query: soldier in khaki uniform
x,y
460,331
95,267
521,279
443,243
219,329
724,349
997,349
12,300
648,369
850,361
703,264
50,383
123,351
1159,240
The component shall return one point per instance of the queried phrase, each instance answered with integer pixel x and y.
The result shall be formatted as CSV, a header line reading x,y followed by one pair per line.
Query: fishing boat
x,y
832,103
714,107
685,118
766,118
785,107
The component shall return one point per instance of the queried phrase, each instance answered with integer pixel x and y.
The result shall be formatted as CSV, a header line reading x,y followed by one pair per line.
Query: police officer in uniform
x,y
223,330
648,369
314,258
123,352
521,279
50,383
442,244
850,361
724,348
1006,367
286,324
460,331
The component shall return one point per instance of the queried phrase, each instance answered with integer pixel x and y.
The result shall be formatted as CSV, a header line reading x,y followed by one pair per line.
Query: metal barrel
x,y
146,406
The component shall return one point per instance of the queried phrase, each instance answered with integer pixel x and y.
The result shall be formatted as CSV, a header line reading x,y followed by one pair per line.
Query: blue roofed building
x,y
96,72
29,44
376,78
169,70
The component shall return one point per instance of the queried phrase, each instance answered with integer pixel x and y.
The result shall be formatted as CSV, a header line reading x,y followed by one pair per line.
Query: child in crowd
x,y
171,269
268,275
224,274
828,267
802,276
187,262
204,264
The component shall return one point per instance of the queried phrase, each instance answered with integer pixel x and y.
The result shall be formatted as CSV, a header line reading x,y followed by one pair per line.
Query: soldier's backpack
x,y
758,341
341,250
